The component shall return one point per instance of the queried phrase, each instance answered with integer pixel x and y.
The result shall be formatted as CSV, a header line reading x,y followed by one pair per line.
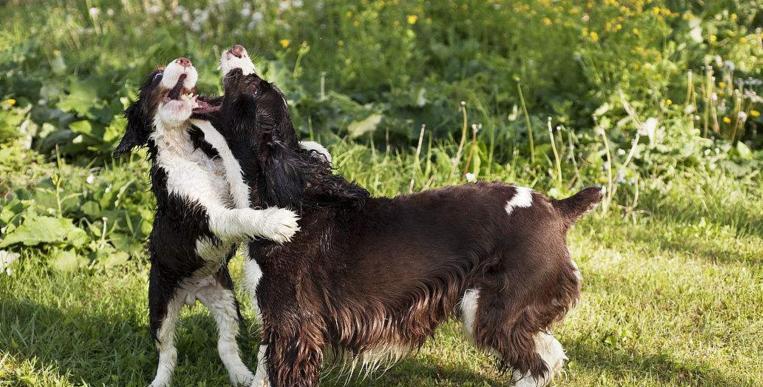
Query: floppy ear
x,y
137,131
284,180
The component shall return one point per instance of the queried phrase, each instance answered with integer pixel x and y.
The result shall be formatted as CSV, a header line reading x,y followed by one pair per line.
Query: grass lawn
x,y
660,100
672,295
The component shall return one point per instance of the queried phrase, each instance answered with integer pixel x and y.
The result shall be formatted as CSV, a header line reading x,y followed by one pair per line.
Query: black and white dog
x,y
372,278
196,229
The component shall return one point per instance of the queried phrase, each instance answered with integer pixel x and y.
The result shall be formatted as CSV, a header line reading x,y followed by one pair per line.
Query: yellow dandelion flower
x,y
9,102
594,36
547,21
412,19
754,113
284,43
726,120
722,85
668,102
713,38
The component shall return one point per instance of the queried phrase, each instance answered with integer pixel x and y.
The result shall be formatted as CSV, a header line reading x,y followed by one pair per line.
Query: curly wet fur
x,y
368,274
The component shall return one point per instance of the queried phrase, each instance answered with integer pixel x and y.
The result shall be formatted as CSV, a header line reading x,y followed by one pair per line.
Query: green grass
x,y
672,295
673,281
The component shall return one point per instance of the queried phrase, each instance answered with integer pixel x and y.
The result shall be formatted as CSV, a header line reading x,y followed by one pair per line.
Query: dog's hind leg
x,y
219,298
165,300
497,324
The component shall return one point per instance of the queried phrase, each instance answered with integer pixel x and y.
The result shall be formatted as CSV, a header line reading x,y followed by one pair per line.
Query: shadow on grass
x,y
414,372
97,349
621,363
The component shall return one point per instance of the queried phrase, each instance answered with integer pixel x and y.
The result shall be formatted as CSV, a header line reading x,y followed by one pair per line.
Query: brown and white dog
x,y
196,229
372,278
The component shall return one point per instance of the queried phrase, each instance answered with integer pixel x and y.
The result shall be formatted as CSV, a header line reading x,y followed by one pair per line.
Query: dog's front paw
x,y
243,378
159,383
277,224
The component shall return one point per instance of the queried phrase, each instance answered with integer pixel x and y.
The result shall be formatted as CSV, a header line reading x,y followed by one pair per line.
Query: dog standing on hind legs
x,y
196,229
367,277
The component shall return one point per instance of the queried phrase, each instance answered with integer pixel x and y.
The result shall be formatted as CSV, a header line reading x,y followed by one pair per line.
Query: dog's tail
x,y
578,204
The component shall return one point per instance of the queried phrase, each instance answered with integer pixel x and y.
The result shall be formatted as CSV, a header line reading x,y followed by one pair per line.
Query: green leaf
x,y
82,96
40,229
115,129
744,151
81,127
66,261
77,237
369,124
115,259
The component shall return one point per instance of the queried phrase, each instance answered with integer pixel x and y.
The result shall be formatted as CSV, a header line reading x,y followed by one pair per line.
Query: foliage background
x,y
659,101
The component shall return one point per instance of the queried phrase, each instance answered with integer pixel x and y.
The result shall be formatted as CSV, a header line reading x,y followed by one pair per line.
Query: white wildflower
x,y
90,179
110,12
6,259
257,17
470,177
649,128
742,116
94,12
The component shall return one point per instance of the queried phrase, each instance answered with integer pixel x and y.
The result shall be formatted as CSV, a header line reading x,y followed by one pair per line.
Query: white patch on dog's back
x,y
523,197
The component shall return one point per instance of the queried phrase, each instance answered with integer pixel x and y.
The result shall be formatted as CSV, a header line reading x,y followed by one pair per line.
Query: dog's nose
x,y
238,51
183,61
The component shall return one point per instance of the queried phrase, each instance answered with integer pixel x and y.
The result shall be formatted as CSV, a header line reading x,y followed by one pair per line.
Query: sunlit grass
x,y
672,297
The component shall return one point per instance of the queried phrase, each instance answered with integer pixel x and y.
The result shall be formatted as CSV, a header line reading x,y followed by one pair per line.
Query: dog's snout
x,y
238,51
183,61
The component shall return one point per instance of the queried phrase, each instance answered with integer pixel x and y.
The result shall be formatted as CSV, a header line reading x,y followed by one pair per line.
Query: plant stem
x,y
557,161
527,121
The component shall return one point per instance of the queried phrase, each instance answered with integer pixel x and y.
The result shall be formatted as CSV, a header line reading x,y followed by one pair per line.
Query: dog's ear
x,y
137,131
284,178
578,204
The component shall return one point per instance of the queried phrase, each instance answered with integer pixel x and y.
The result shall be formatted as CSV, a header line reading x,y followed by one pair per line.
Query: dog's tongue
x,y
175,92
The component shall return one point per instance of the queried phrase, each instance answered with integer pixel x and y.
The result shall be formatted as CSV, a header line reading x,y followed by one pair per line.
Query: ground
x,y
671,296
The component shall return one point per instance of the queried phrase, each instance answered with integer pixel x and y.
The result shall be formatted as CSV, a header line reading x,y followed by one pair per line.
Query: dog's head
x,y
251,106
254,114
166,97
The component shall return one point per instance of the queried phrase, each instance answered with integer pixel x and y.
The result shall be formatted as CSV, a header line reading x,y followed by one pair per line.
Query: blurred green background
x,y
659,101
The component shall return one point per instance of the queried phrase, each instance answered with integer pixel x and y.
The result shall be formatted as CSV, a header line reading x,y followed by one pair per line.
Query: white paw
x,y
243,378
260,381
159,383
276,224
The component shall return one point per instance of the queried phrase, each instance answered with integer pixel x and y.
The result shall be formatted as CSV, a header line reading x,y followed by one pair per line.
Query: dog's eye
x,y
157,77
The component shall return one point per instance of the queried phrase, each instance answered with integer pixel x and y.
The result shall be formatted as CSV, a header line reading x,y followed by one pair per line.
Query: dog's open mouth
x,y
206,105
179,91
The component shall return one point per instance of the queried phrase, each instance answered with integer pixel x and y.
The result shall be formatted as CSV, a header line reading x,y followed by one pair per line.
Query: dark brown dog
x,y
372,278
